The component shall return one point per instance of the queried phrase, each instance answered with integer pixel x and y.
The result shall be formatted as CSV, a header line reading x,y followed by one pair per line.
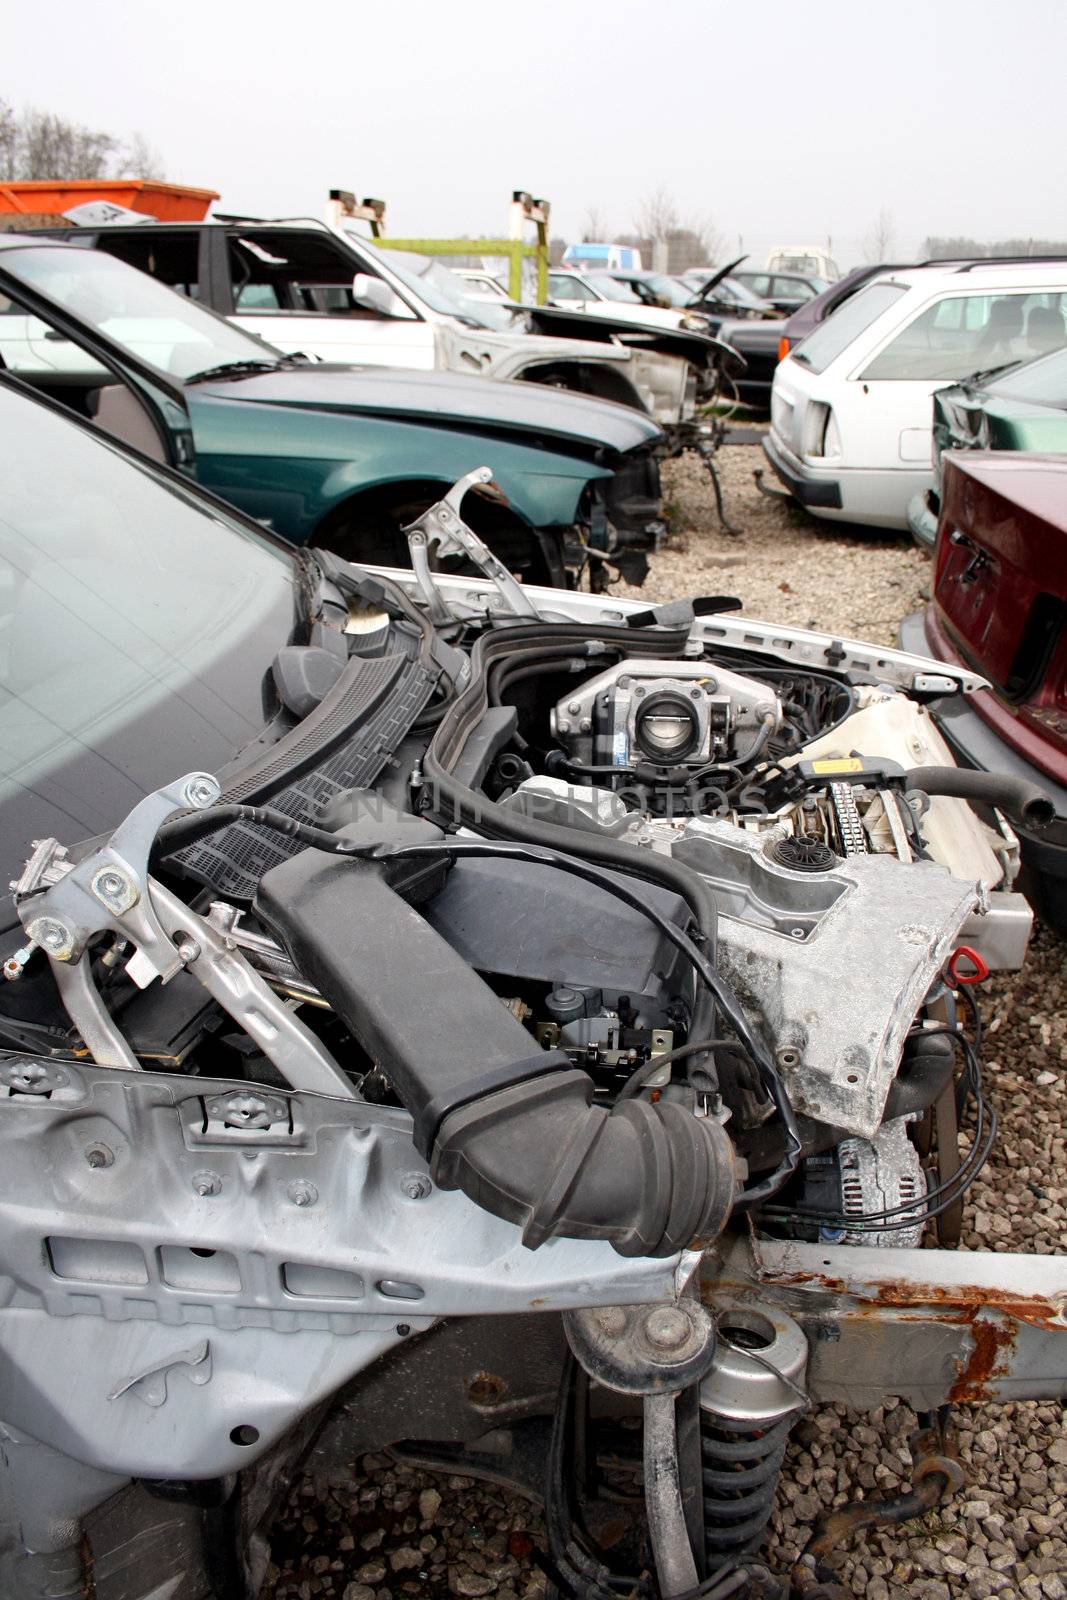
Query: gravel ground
x,y
394,1532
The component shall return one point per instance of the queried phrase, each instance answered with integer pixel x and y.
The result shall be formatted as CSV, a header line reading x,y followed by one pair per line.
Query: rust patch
x,y
989,1315
486,1389
966,1300
990,1357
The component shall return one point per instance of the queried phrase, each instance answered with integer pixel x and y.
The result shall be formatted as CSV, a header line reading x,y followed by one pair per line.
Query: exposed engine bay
x,y
560,955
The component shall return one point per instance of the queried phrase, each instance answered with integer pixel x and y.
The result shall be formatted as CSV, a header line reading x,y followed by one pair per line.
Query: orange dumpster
x,y
169,202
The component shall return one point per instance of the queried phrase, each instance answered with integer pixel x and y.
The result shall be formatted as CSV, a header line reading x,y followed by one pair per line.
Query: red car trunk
x,y
1000,594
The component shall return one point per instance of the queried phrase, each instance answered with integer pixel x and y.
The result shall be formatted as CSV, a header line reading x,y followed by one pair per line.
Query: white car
x,y
850,432
600,295
331,294
482,283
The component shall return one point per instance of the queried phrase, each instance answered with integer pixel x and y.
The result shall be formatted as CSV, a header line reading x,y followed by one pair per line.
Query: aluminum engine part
x,y
602,721
211,1259
881,1174
835,964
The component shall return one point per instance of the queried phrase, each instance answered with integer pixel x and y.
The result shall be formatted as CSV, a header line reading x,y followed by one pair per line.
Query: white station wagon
x,y
850,432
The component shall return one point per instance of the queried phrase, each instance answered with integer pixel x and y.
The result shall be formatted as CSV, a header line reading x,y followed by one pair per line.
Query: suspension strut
x,y
748,1403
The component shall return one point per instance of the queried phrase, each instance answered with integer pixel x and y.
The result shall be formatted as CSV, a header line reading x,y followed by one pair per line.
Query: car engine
x,y
565,982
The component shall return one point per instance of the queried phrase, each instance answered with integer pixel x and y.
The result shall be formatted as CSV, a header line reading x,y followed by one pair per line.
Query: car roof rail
x,y
1008,261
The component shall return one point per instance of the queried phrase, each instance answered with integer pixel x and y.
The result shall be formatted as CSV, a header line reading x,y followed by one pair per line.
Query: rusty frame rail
x,y
931,1326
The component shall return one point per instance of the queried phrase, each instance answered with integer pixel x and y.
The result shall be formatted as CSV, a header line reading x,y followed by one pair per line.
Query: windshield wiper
x,y
234,369
990,372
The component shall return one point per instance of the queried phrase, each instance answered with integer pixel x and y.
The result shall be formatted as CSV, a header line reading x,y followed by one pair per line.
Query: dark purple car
x,y
809,316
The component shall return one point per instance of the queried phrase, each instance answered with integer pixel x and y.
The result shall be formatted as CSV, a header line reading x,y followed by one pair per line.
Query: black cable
x,y
725,998
185,830
636,1079
953,1189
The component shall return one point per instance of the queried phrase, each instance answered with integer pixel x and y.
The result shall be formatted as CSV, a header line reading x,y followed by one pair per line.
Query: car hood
x,y
701,349
444,399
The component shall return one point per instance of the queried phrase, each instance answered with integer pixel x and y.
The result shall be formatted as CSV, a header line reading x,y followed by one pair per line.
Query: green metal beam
x,y
514,251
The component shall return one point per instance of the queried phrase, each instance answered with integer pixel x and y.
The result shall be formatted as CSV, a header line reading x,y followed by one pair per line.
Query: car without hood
x,y
345,456
329,293
421,990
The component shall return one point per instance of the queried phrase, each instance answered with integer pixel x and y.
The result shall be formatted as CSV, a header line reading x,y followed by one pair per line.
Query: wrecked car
x,y
521,1029
332,294
338,455
1020,405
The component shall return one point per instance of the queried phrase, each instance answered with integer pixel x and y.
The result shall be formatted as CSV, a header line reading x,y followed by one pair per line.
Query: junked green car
x,y
1019,406
342,456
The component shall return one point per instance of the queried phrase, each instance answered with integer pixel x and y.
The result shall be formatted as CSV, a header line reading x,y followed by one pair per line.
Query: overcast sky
x,y
784,120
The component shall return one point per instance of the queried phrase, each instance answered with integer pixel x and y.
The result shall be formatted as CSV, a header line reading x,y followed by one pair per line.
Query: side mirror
x,y
373,295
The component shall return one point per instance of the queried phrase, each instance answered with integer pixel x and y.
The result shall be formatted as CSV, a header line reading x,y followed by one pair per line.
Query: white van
x,y
810,260
850,432
603,257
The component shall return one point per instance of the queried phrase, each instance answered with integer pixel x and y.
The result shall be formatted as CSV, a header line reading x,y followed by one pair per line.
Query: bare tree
x,y
140,159
657,216
51,147
36,145
595,226
9,138
877,242
711,243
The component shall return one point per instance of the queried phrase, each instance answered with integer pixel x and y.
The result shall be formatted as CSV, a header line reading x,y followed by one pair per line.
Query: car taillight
x,y
784,344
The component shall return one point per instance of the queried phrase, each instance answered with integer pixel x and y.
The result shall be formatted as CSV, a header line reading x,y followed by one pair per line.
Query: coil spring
x,y
740,1468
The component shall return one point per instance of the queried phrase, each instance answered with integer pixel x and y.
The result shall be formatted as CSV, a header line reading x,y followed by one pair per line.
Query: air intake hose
x,y
1023,801
511,1125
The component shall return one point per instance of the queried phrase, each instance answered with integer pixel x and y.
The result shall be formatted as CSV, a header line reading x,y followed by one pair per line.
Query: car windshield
x,y
138,624
785,263
672,290
610,287
732,289
1042,382
437,287
136,312
834,336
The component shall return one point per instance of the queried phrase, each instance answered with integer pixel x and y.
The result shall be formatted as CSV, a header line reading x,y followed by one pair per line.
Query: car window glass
x,y
172,258
257,297
758,282
137,313
961,334
138,623
285,270
834,336
564,287
791,289
611,288
438,288
1042,382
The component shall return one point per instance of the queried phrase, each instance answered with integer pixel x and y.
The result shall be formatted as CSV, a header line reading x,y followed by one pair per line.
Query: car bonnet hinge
x,y
63,906
442,525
